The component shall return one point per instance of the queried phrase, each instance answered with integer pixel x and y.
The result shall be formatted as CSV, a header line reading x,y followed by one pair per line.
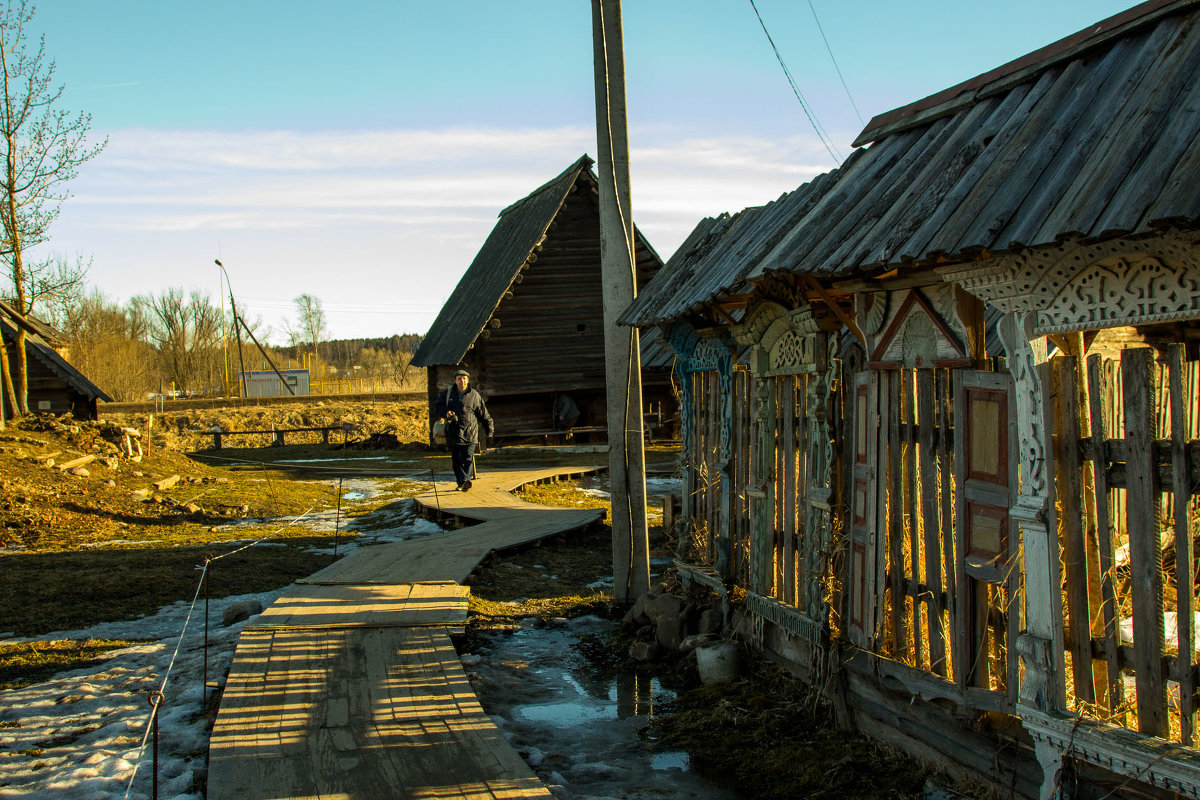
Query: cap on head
x,y
462,372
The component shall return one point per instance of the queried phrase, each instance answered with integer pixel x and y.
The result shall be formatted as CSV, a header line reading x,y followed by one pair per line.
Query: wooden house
x,y
941,418
55,386
526,319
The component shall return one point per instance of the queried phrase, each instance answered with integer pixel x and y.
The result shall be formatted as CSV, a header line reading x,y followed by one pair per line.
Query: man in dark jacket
x,y
465,413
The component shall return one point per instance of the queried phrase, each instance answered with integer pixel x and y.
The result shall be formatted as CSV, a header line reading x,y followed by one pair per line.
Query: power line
x,y
835,64
808,112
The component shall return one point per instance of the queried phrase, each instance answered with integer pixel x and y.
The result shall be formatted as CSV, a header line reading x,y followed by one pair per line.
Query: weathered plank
x,y
309,605
930,524
1070,494
1138,390
1181,492
364,712
1104,530
895,519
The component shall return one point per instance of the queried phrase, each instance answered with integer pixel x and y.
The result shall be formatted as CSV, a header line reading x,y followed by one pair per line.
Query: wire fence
x,y
158,698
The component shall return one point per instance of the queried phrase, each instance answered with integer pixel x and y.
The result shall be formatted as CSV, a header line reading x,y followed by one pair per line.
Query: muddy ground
x,y
120,534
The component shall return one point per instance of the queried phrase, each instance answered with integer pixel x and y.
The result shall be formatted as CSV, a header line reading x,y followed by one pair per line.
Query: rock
x,y
192,508
533,756
670,631
717,662
80,471
643,651
638,612
695,640
138,474
110,483
166,483
666,605
141,494
711,621
240,610
221,479
243,510
471,659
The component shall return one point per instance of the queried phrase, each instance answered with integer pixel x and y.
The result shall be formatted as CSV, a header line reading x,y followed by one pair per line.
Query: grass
x,y
27,663
47,592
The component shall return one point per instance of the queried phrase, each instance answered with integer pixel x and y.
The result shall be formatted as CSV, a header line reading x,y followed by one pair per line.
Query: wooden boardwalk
x,y
349,686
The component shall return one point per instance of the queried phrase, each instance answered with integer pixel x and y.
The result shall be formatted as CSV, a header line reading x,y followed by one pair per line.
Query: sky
x,y
360,152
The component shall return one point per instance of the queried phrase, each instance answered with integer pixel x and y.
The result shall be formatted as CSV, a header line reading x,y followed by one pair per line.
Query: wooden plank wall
x,y
1131,562
745,445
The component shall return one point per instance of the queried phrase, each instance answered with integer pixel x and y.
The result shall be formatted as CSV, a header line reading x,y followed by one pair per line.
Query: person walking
x,y
465,413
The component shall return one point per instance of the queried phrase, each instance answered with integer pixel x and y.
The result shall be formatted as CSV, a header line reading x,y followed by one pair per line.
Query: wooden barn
x,y
55,386
941,418
526,320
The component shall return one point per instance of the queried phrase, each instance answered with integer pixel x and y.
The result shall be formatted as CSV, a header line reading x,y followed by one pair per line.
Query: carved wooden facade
x,y
951,528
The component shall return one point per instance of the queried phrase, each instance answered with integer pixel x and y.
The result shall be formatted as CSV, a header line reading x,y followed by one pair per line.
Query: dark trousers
x,y
462,458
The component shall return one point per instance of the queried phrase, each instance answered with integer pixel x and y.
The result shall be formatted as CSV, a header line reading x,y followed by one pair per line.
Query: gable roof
x,y
521,228
1094,136
37,347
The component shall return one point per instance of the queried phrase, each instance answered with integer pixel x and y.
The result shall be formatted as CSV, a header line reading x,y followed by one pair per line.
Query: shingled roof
x,y
521,228
36,344
1094,136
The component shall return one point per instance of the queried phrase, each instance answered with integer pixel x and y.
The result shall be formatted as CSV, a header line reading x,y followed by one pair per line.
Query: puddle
x,y
577,725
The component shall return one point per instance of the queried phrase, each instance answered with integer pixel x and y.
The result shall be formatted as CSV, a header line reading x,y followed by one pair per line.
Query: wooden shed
x,y
981,547
55,386
526,319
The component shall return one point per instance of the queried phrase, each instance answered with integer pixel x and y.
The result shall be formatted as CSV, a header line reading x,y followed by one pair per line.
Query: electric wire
x,y
830,147
161,691
829,50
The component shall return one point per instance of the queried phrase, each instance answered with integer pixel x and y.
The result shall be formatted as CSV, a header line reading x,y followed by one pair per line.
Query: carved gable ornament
x,y
1076,287
918,336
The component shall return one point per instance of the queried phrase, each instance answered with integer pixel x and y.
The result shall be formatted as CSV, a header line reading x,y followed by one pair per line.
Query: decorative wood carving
x,y
1145,759
921,333
1073,286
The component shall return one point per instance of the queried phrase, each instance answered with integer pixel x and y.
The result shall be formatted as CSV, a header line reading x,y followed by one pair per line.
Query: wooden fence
x,y
1128,480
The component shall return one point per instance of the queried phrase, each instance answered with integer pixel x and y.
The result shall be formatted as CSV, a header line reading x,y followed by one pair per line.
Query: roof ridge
x,y
949,100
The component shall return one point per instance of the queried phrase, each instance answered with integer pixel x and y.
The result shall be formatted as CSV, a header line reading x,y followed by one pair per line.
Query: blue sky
x,y
361,151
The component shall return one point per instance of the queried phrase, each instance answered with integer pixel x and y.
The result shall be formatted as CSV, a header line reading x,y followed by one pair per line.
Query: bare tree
x,y
43,148
186,330
311,321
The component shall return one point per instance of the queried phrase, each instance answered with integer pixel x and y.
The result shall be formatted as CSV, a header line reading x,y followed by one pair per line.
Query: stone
x,y
643,651
666,605
141,494
717,662
471,659
670,631
638,612
192,508
110,483
79,471
240,610
166,483
711,621
695,640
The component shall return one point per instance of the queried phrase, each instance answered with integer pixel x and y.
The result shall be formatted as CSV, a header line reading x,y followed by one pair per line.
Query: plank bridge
x,y
349,686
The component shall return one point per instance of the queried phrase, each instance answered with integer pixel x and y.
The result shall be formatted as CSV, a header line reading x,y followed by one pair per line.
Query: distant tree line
x,y
178,341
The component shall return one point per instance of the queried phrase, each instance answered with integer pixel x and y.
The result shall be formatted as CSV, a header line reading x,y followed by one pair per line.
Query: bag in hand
x,y
439,431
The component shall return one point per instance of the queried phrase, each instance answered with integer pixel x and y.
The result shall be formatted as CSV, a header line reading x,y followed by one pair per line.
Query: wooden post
x,y
1184,549
622,354
1145,558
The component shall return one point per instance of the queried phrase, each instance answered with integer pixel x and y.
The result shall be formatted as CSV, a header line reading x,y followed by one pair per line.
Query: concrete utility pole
x,y
622,354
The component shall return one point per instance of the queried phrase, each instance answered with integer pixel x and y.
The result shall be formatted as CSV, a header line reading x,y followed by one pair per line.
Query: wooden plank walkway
x,y
349,686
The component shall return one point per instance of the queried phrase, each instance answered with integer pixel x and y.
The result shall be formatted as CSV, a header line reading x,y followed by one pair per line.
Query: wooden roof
x,y
520,230
36,344
1094,136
